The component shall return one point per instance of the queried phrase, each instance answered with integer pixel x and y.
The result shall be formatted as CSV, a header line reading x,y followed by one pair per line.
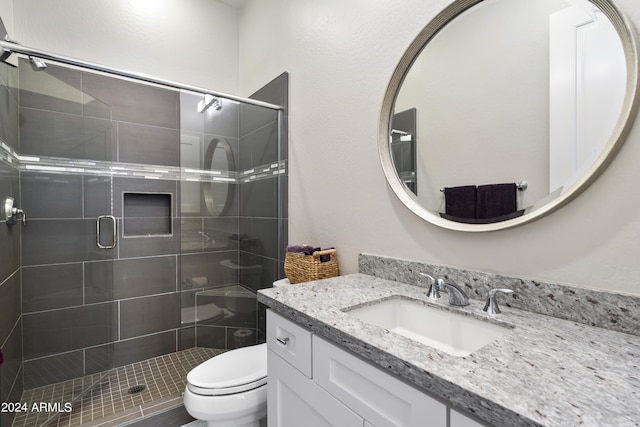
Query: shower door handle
x,y
114,240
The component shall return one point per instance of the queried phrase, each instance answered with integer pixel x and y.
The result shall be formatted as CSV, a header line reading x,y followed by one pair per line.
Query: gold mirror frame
x,y
617,138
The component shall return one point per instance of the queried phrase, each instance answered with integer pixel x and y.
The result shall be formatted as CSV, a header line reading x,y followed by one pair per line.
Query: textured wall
x,y
193,41
340,56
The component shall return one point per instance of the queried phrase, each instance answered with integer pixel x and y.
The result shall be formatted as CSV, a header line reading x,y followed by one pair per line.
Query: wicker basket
x,y
304,268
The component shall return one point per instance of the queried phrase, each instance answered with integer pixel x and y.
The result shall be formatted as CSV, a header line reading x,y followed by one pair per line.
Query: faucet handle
x,y
11,213
20,213
434,289
491,306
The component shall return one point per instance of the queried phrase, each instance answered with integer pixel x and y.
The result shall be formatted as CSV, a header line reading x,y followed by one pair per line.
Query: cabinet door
x,y
290,341
294,400
380,398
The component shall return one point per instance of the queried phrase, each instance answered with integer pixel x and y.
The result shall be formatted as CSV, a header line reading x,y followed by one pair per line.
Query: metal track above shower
x,y
7,48
55,165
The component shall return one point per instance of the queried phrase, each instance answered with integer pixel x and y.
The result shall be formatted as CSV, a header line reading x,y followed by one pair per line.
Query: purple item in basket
x,y
302,249
327,257
294,248
309,250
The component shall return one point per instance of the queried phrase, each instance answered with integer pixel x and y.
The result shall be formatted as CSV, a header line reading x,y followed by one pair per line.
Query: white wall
x,y
6,12
340,56
188,41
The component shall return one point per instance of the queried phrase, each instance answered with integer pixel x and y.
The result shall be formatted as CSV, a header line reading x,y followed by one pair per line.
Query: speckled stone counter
x,y
544,372
609,310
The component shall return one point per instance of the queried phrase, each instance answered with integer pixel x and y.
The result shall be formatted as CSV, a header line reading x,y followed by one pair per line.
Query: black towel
x,y
496,200
460,201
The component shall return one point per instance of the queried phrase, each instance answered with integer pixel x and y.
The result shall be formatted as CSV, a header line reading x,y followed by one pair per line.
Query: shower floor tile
x,y
164,378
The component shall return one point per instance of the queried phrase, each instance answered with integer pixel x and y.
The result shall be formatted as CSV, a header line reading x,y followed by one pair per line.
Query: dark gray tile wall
x,y
11,384
56,134
263,204
8,113
88,309
133,102
59,331
263,208
63,287
53,369
59,89
148,144
129,278
143,316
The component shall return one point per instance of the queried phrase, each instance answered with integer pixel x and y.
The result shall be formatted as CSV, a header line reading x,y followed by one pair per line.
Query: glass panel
x,y
69,317
229,217
209,217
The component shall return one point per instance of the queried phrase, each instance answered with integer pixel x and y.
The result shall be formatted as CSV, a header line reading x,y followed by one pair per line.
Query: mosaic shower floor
x,y
109,403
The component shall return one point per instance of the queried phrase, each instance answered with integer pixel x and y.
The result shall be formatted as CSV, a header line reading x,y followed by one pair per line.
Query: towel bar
x,y
520,186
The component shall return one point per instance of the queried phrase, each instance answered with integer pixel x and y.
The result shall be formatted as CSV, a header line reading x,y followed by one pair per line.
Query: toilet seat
x,y
228,390
235,371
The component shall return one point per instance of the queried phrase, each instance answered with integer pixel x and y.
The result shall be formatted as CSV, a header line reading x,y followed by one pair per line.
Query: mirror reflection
x,y
218,194
507,107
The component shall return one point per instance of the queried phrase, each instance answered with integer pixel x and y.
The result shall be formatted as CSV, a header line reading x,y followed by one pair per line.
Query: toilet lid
x,y
231,372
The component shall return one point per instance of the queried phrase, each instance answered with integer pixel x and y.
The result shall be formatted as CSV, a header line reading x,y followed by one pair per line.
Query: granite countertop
x,y
544,372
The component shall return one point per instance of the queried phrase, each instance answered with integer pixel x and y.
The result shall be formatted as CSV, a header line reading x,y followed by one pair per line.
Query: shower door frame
x,y
7,46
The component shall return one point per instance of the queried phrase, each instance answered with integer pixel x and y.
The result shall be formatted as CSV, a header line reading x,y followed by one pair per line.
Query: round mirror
x,y
218,193
502,111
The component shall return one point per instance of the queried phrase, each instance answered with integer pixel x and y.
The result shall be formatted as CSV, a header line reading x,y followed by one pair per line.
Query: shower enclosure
x,y
153,212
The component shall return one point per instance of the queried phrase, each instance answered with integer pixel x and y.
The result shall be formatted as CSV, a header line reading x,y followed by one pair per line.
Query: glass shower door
x,y
69,241
230,207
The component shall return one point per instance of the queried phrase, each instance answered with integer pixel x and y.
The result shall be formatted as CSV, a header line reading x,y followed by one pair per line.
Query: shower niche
x,y
146,214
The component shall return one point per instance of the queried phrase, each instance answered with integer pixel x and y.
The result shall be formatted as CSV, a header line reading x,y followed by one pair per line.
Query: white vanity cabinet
x,y
339,389
378,397
293,398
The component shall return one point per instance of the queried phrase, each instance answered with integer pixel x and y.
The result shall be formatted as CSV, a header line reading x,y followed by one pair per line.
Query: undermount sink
x,y
445,330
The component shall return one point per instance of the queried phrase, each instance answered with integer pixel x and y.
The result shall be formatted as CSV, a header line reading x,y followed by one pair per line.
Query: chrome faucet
x,y
491,306
456,294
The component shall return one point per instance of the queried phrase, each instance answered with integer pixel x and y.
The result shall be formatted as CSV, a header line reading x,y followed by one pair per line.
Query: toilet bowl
x,y
230,390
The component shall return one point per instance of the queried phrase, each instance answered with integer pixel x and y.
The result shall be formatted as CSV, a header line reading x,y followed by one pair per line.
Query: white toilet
x,y
230,390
